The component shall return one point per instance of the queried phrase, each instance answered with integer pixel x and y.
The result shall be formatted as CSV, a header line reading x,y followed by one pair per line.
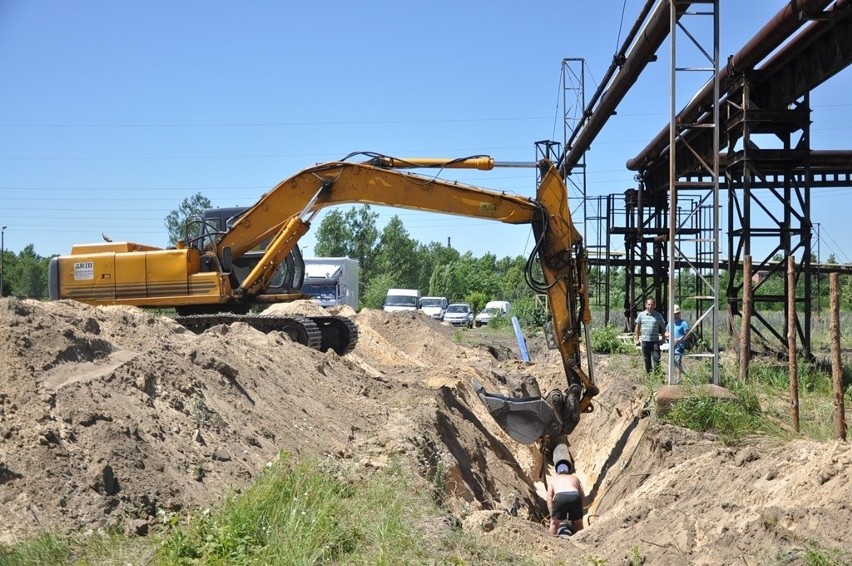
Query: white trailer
x,y
332,281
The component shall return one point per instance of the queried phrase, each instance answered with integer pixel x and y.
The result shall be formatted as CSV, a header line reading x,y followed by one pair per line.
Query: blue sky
x,y
112,112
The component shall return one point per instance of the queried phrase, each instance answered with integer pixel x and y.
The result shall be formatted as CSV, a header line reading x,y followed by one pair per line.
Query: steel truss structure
x,y
767,168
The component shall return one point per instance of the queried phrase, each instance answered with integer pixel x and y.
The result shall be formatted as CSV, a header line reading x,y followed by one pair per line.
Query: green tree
x,y
9,261
454,280
176,220
364,238
513,282
374,295
351,234
845,292
460,277
397,256
433,257
530,311
333,235
28,274
486,277
477,301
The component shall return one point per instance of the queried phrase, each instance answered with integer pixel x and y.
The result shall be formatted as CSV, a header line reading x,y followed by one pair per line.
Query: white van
x,y
492,308
401,300
434,307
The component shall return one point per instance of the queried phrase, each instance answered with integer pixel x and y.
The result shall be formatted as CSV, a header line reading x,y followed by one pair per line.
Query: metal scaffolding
x,y
670,221
700,28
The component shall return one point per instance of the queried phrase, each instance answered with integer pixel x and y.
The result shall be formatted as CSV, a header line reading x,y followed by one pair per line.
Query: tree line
x,y
392,258
25,273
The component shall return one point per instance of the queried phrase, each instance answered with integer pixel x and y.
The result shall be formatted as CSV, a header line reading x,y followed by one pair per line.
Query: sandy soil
x,y
108,415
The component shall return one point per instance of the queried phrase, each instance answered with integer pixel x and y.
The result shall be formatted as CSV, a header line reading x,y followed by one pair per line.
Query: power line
x,y
280,124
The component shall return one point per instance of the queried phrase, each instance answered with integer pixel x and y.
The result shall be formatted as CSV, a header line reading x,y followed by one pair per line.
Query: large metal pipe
x,y
617,61
819,160
793,16
642,53
830,158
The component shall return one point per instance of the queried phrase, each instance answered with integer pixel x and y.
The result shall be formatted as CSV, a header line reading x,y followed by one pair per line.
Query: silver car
x,y
459,314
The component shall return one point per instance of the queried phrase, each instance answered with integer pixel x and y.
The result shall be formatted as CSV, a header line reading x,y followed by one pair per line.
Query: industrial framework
x,y
745,136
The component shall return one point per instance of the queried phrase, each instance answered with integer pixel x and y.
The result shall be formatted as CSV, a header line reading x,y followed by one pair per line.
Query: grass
x,y
730,420
486,334
607,340
44,549
297,512
815,555
98,548
763,405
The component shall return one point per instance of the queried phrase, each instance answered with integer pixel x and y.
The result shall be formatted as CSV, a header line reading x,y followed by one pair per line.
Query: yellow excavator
x,y
233,261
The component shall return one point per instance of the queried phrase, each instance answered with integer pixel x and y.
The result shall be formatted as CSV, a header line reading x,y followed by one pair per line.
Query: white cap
x,y
677,308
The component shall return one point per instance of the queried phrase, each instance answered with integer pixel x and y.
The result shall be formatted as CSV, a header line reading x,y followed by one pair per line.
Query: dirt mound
x,y
108,415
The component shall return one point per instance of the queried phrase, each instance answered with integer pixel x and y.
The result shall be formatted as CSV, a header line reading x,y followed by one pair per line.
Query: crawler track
x,y
338,333
322,333
299,328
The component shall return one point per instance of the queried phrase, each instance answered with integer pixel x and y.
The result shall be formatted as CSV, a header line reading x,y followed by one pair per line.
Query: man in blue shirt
x,y
649,327
677,340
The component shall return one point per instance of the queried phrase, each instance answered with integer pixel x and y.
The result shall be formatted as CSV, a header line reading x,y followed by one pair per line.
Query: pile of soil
x,y
109,415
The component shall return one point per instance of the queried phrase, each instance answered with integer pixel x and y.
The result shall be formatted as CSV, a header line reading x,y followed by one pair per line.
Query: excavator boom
x,y
558,248
222,270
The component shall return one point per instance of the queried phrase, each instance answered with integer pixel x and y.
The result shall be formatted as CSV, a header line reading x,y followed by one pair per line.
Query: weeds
x,y
98,548
815,395
730,419
635,558
818,556
762,405
703,413
308,512
607,340
45,549
200,411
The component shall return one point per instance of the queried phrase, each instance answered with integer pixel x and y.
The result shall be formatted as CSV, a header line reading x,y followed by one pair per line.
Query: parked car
x,y
459,314
433,307
492,309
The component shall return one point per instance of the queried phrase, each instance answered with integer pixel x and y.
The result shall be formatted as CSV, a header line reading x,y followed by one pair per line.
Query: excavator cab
x,y
206,231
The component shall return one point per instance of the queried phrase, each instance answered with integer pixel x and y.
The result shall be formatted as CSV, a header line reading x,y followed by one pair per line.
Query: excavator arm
x,y
283,215
219,272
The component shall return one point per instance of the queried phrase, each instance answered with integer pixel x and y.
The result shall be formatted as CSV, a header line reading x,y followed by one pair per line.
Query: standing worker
x,y
676,334
649,327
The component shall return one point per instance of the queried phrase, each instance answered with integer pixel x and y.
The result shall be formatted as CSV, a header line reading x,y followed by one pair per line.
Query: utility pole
x,y
2,253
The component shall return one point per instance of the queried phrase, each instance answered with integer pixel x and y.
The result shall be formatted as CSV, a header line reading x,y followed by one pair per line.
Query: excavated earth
x,y
109,415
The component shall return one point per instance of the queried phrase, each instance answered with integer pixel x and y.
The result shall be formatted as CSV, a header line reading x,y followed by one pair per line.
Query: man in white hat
x,y
677,340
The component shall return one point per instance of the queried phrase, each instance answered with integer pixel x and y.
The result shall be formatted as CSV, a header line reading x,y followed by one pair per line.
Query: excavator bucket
x,y
524,419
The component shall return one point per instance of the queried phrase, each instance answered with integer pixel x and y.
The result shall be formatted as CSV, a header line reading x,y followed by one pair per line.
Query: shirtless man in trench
x,y
565,501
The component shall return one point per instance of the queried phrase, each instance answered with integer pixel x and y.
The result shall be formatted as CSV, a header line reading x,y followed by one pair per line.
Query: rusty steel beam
x,y
801,66
640,55
793,16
